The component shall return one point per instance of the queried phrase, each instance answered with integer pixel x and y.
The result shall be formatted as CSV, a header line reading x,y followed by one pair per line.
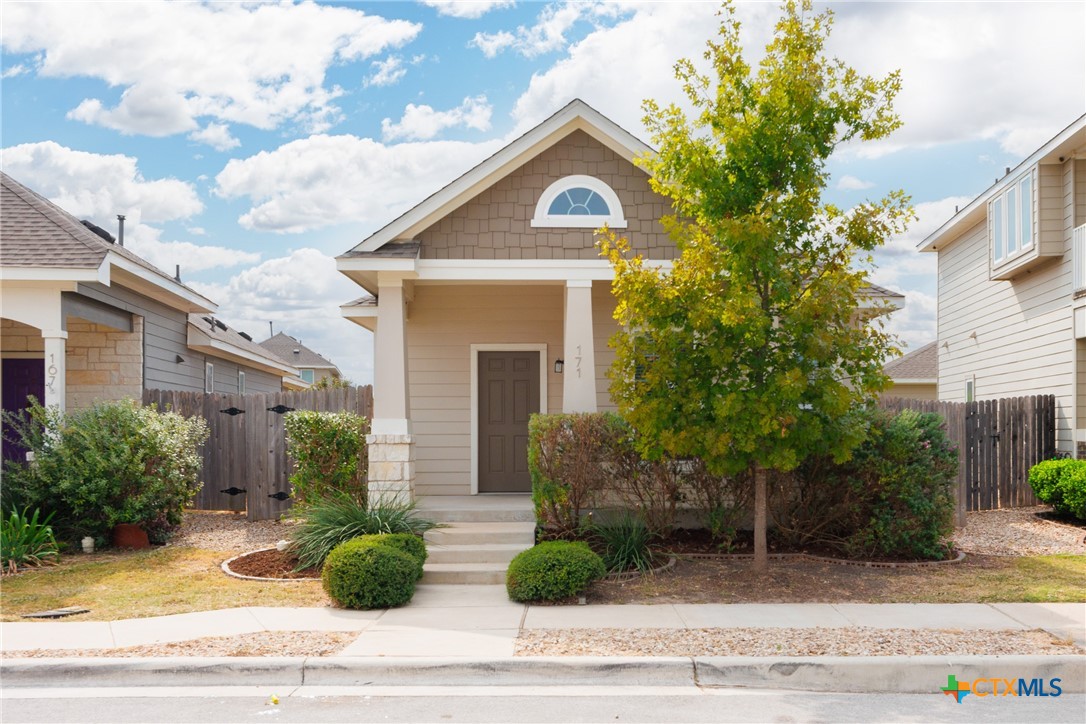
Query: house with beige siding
x,y
914,375
85,319
1012,287
489,302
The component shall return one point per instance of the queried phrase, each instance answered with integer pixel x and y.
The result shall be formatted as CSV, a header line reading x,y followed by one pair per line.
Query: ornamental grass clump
x,y
338,517
553,571
365,574
625,542
26,541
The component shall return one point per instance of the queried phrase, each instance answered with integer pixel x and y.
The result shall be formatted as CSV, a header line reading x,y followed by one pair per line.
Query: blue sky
x,y
251,143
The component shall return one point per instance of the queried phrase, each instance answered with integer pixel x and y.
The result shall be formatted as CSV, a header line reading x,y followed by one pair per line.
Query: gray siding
x,y
496,224
165,337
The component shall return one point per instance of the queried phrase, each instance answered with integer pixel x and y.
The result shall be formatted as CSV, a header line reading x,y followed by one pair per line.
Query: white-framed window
x,y
307,375
580,202
1011,218
241,382
209,377
970,389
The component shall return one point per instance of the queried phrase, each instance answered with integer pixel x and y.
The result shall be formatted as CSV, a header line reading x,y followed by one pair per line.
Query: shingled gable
x,y
577,115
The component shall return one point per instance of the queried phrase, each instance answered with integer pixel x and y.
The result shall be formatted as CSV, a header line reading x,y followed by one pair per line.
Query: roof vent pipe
x,y
120,229
177,273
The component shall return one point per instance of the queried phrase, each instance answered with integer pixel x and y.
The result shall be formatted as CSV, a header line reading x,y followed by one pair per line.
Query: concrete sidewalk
x,y
479,622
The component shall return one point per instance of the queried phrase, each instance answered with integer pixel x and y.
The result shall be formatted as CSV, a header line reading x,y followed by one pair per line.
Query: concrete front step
x,y
475,553
477,508
474,573
483,534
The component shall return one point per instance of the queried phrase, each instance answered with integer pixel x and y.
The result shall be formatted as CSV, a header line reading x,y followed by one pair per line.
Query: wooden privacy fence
x,y
998,442
245,457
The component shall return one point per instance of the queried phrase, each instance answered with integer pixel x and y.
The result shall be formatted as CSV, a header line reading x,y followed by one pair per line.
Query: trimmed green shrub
x,y
329,453
338,517
116,462
368,574
553,571
1061,484
625,543
26,541
409,543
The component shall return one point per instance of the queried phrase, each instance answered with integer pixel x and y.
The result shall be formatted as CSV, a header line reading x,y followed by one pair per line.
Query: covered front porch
x,y
461,363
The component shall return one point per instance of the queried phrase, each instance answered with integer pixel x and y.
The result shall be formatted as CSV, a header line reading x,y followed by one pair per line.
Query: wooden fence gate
x,y
245,456
998,442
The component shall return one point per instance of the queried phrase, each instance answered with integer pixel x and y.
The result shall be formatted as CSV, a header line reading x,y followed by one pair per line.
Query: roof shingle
x,y
920,364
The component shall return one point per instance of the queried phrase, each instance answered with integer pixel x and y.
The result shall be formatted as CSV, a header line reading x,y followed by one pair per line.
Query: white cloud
x,y
958,71
301,293
851,183
324,180
196,230
915,324
549,32
15,70
423,122
386,72
99,186
216,135
252,63
146,241
470,9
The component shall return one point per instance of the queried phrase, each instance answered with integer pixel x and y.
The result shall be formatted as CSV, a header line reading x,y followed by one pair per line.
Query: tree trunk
x,y
761,553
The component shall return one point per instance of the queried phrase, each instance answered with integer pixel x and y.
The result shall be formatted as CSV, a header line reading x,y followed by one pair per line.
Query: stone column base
x,y
391,468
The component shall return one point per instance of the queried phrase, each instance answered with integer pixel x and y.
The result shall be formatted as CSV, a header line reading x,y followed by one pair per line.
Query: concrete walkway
x,y
480,622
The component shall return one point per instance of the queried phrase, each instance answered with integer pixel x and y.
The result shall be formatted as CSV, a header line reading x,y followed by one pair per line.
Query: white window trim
x,y
241,382
1021,246
541,219
312,375
475,350
209,377
970,389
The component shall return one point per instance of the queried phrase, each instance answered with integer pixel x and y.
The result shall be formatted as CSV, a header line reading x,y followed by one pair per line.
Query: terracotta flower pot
x,y
126,535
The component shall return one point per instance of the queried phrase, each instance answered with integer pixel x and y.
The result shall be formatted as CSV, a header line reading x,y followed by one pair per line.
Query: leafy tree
x,y
751,352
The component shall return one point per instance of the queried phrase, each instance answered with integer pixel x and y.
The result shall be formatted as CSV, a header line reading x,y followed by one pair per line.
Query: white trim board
x,y
475,349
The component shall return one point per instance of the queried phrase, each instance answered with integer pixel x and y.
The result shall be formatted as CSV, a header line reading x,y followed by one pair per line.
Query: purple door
x,y
21,379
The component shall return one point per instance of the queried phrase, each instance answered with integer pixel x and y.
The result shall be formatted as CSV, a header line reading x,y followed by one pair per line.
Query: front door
x,y
21,379
508,394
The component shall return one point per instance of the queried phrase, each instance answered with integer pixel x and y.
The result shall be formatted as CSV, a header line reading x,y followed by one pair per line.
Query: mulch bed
x,y
1060,518
271,564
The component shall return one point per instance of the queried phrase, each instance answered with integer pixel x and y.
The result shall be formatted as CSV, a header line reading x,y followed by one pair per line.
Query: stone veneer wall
x,y
20,340
103,363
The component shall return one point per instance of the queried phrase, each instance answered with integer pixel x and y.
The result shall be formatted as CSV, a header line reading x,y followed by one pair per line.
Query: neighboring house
x,y
489,302
311,366
915,375
84,319
1012,287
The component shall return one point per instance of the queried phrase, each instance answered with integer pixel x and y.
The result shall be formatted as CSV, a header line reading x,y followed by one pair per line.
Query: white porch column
x,y
391,448
579,372
56,369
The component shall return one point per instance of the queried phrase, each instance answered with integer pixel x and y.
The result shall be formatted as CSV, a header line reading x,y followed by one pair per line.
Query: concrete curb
x,y
885,674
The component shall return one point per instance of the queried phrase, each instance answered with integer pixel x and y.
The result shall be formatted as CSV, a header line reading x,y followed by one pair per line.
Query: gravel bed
x,y
225,531
853,641
1017,532
263,643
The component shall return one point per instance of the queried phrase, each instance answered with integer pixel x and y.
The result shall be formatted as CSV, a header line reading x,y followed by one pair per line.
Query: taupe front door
x,y
508,394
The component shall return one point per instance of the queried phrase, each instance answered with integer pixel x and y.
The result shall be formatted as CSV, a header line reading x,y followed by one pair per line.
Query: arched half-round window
x,y
581,202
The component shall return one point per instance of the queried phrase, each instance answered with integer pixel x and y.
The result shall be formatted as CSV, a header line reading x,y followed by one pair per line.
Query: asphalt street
x,y
514,704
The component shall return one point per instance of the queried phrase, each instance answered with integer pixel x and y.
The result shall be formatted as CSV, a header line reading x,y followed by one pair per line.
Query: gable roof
x,y
577,115
38,234
1060,146
296,353
211,336
920,365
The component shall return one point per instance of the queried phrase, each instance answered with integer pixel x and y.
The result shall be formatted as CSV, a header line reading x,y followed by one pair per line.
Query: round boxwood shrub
x,y
1061,484
552,571
409,543
368,574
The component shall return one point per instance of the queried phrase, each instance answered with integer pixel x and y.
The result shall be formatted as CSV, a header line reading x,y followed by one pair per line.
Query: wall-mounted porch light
x,y
559,365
